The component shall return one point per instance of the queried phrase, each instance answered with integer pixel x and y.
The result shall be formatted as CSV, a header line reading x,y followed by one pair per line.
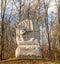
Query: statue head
x,y
22,31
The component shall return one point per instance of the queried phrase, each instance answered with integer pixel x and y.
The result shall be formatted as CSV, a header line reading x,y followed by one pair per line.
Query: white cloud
x,y
52,7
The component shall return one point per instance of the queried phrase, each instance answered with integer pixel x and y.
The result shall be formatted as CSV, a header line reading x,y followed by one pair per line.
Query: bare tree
x,y
59,17
46,6
4,25
3,8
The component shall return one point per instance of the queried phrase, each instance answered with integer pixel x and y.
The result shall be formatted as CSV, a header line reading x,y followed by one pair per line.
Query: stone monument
x,y
27,37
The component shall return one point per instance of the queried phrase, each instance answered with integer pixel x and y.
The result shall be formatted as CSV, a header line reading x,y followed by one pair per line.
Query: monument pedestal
x,y
28,48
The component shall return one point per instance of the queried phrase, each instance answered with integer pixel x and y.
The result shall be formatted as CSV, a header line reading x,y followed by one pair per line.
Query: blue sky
x,y
14,12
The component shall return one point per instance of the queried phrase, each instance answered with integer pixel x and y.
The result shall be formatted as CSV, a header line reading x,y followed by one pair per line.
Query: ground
x,y
28,61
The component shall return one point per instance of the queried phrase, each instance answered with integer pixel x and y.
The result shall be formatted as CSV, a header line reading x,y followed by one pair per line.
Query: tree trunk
x,y
47,26
59,20
3,7
59,14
